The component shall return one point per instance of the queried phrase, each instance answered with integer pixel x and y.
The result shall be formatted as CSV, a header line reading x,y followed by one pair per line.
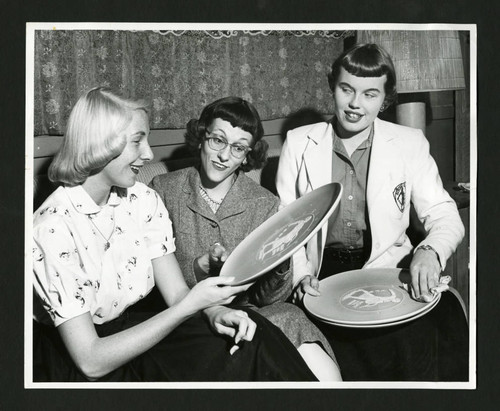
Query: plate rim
x,y
292,250
386,324
424,307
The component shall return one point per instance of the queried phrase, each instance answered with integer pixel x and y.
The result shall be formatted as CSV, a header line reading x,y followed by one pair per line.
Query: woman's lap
x,y
431,348
295,324
190,353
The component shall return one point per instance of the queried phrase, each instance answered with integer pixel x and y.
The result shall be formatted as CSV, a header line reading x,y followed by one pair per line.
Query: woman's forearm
x,y
96,357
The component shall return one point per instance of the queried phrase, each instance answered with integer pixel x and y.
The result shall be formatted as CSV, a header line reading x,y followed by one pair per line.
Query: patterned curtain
x,y
180,72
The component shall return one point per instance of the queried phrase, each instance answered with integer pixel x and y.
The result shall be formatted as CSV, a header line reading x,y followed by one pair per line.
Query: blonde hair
x,y
94,135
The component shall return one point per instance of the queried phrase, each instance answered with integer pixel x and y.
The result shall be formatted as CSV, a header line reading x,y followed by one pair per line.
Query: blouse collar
x,y
83,203
234,202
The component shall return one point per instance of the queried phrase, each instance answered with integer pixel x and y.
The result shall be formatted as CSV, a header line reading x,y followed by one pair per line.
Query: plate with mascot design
x,y
281,235
366,298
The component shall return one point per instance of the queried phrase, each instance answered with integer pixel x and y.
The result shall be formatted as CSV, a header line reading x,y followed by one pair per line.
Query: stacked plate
x,y
367,298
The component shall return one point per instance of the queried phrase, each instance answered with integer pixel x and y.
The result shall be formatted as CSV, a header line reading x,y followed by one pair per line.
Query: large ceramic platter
x,y
283,234
387,324
366,297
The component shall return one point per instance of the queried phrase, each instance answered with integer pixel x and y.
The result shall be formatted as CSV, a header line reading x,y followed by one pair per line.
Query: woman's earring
x,y
382,108
244,162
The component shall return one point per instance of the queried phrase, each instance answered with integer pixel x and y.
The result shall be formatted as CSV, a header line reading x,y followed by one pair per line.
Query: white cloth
x,y
438,289
401,171
74,274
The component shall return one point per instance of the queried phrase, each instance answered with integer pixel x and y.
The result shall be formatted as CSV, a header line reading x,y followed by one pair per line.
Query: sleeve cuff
x,y
161,249
427,247
297,281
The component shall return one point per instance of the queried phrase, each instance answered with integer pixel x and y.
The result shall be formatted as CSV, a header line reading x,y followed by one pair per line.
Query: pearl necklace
x,y
214,205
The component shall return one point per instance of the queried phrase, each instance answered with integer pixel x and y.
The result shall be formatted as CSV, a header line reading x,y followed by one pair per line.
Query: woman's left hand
x,y
233,323
425,270
211,262
217,256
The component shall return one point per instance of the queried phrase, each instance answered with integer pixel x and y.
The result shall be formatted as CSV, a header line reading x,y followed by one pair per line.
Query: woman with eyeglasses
x,y
214,206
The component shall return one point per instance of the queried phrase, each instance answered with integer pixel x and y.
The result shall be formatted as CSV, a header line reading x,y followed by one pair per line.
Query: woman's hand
x,y
211,292
425,270
211,262
217,255
233,323
308,285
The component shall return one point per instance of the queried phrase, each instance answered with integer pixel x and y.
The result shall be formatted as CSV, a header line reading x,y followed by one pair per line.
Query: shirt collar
x,y
339,147
83,203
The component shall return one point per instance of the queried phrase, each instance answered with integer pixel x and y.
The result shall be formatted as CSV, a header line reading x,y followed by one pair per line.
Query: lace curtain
x,y
180,72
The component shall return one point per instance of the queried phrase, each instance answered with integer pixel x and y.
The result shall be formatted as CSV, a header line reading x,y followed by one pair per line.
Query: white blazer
x,y
401,171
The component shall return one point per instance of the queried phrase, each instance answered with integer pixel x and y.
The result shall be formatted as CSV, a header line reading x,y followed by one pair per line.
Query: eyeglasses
x,y
218,143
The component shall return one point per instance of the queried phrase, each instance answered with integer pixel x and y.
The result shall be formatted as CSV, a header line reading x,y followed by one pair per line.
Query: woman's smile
x,y
219,166
135,168
352,117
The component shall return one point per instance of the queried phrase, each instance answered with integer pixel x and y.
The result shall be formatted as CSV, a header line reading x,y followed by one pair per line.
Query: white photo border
x,y
29,140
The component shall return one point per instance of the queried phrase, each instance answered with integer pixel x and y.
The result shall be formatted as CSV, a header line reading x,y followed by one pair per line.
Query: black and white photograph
x,y
254,205
250,206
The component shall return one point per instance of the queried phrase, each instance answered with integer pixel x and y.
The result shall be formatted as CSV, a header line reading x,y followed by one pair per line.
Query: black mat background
x,y
15,14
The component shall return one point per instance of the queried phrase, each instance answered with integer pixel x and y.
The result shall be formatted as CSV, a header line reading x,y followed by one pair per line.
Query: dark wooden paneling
x,y
441,140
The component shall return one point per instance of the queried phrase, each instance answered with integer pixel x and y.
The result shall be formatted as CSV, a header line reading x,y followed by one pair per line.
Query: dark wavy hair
x,y
240,113
367,60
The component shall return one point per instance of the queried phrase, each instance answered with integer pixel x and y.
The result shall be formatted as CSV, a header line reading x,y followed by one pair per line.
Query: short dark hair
x,y
240,113
367,60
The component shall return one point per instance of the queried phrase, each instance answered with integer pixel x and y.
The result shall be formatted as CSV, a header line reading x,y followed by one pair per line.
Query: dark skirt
x,y
192,352
433,347
288,317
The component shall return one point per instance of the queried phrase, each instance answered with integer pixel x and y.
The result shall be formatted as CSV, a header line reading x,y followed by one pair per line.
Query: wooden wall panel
x,y
441,140
166,144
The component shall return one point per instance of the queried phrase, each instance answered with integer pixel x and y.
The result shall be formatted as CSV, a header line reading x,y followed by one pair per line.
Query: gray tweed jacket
x,y
196,227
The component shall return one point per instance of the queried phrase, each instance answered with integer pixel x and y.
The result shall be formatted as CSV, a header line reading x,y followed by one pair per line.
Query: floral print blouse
x,y
88,258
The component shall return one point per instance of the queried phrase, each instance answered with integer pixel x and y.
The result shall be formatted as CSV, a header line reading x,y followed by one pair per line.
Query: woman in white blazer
x,y
401,170
384,168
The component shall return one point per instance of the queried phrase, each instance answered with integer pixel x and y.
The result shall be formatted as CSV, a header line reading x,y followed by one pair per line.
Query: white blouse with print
x,y
76,271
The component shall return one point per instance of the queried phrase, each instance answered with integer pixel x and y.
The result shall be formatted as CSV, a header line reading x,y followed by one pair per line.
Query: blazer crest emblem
x,y
399,195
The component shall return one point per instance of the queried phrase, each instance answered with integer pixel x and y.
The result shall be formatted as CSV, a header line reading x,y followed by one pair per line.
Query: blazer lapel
x,y
386,170
382,159
235,201
318,151
312,175
195,202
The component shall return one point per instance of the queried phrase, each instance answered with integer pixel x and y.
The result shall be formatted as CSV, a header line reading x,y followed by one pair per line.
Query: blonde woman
x,y
102,241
